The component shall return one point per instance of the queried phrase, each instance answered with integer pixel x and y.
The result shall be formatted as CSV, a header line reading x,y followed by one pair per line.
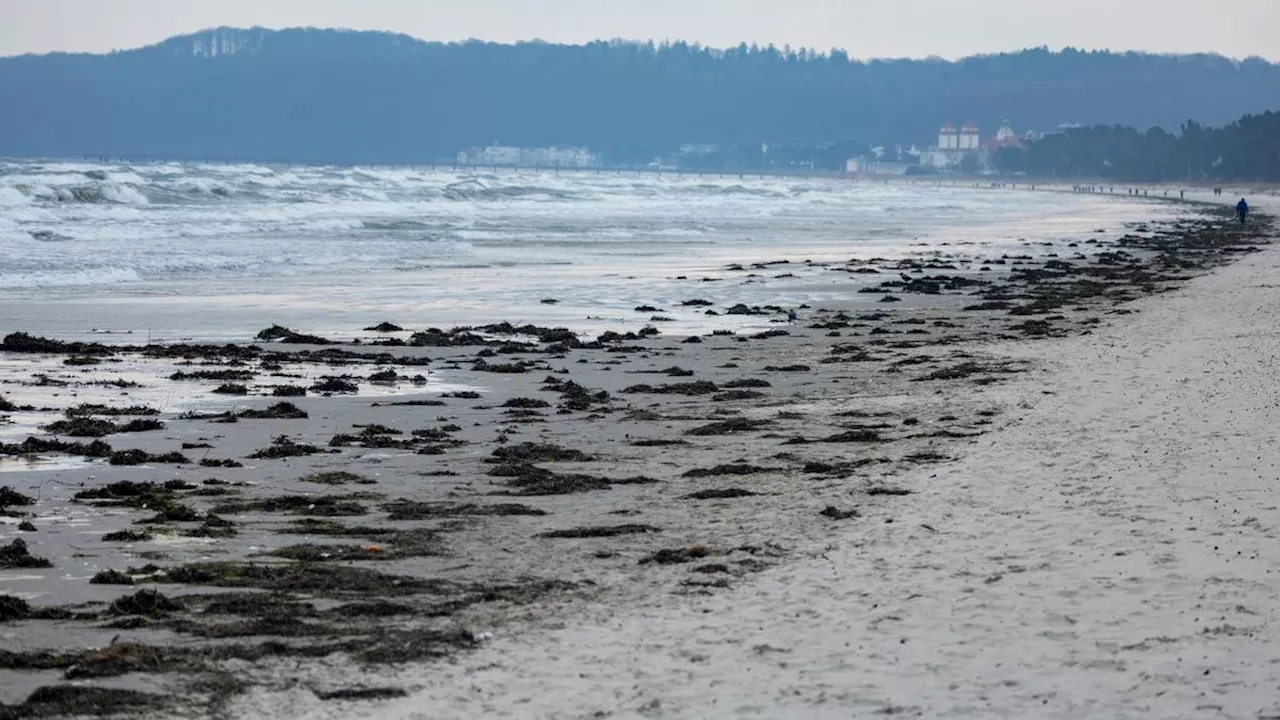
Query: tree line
x,y
1247,150
362,97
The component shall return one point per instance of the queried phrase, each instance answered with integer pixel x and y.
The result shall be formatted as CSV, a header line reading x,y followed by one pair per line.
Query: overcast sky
x,y
867,28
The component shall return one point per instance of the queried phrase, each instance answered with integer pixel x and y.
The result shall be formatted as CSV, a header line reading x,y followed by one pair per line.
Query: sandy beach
x,y
1109,551
1034,490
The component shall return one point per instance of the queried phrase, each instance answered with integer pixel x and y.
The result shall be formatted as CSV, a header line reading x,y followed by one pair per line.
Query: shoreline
x,y
595,290
703,467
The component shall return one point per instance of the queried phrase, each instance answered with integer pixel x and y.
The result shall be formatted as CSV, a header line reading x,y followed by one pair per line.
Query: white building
x,y
492,155
553,157
953,146
948,139
576,158
705,149
875,166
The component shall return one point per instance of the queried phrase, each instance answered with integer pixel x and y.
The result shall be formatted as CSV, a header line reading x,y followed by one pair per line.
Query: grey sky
x,y
867,28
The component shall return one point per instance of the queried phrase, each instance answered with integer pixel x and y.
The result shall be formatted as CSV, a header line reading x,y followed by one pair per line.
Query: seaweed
x,y
410,510
130,493
322,506
723,494
21,342
147,603
384,377
736,395
836,513
412,403
351,694
173,512
33,446
746,383
279,333
15,556
658,443
731,469
82,701
321,579
218,375
956,372
331,528
283,447
12,498
600,531
335,385
503,368
532,480
577,397
526,403
141,457
215,463
529,452
698,387
330,553
337,477
677,556
127,536
854,435
81,426
384,327
86,409
111,577
13,608
728,427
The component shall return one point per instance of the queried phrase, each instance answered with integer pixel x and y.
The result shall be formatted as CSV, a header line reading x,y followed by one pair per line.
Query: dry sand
x,y
959,522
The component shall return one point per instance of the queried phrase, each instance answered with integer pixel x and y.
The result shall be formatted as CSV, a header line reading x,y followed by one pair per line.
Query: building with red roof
x,y
1005,138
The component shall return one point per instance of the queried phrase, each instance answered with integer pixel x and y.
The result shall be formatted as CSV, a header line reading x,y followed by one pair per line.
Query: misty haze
x,y
365,370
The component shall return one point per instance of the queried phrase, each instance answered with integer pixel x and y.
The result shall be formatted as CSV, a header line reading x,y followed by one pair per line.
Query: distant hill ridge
x,y
342,96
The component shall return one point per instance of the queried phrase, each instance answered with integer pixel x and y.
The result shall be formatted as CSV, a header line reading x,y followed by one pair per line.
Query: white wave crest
x,y
69,278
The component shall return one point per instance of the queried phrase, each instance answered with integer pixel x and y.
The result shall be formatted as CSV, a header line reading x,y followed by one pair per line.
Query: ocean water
x,y
177,251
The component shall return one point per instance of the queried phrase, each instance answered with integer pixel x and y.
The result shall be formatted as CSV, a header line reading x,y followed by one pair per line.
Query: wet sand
x,y
430,494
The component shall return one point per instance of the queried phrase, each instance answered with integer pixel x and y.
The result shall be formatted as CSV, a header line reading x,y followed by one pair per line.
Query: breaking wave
x,y
88,224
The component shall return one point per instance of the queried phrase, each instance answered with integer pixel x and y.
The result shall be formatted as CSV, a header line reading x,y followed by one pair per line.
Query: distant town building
x,y
955,146
552,157
952,146
948,139
1005,138
704,149
875,166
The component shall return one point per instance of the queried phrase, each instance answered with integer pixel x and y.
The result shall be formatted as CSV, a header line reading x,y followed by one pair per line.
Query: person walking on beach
x,y
1242,210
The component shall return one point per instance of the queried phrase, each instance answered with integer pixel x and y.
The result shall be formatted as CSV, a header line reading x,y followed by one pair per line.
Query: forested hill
x,y
339,96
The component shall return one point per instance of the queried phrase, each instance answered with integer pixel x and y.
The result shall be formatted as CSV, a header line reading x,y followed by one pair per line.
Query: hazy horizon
x,y
943,28
656,41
